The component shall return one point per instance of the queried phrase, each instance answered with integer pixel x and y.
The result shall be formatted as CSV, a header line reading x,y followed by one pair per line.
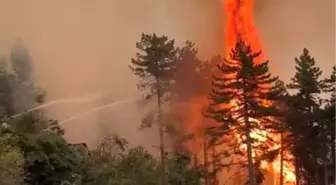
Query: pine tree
x,y
305,109
328,120
238,100
189,83
187,76
154,66
306,81
192,74
330,86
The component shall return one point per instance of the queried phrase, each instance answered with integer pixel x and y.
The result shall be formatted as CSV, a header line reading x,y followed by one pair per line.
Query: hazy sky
x,y
81,47
287,26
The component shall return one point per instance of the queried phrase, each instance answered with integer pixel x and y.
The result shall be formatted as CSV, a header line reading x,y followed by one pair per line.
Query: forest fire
x,y
164,112
240,26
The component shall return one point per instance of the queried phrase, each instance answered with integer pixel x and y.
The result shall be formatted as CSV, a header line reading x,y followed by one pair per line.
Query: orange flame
x,y
240,25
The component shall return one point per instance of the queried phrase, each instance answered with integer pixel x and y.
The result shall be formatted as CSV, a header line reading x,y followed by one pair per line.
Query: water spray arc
x,y
96,109
67,100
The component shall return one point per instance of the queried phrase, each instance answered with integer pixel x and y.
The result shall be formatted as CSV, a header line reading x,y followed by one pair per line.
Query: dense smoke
x,y
287,26
80,48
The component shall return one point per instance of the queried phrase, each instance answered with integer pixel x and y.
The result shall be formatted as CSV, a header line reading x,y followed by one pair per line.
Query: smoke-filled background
x,y
286,26
82,47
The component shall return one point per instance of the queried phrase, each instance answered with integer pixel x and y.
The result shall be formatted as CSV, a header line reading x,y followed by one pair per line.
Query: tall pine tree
x,y
328,120
154,65
238,100
304,113
306,81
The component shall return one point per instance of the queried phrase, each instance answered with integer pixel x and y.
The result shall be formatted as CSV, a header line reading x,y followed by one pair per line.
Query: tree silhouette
x,y
241,100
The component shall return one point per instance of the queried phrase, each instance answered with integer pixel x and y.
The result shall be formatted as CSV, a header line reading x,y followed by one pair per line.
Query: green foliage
x,y
138,167
154,63
328,120
41,156
48,159
6,98
305,120
34,151
11,159
181,173
330,86
307,77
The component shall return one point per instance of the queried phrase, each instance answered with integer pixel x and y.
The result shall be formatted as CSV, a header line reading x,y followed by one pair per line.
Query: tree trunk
x,y
333,161
297,166
281,159
316,168
160,129
251,170
326,174
297,171
206,164
316,176
162,149
249,154
214,180
195,160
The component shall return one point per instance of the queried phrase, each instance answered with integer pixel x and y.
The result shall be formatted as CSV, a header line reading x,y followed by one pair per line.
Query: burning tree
x,y
154,66
191,85
241,102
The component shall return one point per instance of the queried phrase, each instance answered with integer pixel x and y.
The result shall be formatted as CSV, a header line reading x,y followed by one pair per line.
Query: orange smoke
x,y
197,121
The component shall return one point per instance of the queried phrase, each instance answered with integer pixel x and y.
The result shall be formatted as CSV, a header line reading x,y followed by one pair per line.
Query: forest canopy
x,y
242,96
